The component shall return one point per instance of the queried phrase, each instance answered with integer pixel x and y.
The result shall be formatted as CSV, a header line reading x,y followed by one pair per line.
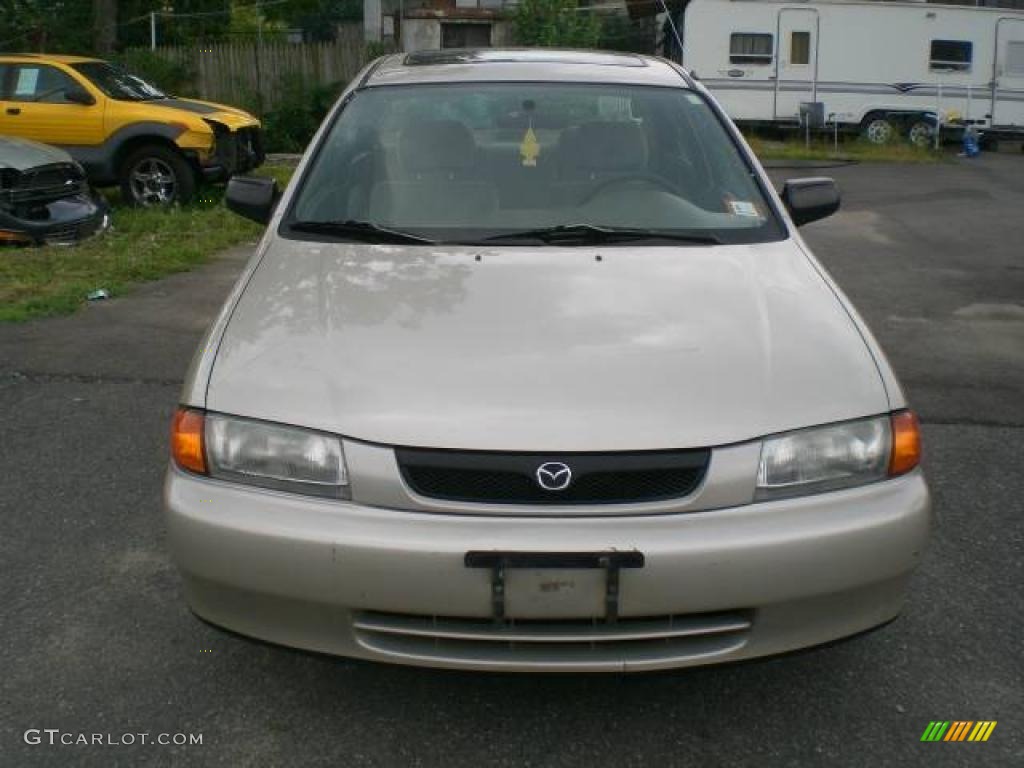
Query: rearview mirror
x,y
808,200
253,197
76,95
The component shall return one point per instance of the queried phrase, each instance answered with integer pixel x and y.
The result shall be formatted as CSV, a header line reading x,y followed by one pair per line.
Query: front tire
x,y
154,175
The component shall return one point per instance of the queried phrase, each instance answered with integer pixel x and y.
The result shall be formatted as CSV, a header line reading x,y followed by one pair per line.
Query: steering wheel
x,y
650,178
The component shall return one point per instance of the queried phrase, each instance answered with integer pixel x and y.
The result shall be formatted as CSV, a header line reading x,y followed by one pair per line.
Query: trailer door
x,y
796,60
1008,73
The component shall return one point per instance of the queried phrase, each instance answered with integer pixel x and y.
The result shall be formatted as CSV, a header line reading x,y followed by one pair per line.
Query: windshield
x,y
521,162
118,84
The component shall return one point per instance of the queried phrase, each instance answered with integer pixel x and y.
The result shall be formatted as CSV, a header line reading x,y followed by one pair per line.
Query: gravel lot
x,y
97,639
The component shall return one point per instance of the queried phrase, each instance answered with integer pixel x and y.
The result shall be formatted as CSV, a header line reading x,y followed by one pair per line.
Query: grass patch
x,y
823,149
143,244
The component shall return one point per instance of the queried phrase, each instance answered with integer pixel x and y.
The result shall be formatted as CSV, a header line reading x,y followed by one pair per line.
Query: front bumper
x,y
387,585
69,220
234,152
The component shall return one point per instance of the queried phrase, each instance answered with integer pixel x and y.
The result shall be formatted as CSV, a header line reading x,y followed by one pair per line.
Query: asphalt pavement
x,y
95,637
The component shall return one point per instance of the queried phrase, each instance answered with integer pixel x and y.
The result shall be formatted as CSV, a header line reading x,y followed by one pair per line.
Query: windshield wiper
x,y
363,231
585,234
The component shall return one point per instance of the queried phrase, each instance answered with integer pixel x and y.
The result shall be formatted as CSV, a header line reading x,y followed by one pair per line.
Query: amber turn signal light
x,y
7,236
906,443
187,440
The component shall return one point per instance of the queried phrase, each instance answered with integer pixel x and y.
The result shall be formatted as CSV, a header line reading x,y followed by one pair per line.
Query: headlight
x,y
259,453
825,458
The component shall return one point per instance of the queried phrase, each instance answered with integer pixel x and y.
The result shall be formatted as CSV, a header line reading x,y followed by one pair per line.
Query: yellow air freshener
x,y
529,150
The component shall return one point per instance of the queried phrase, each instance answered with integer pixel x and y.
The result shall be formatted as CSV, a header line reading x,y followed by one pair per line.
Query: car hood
x,y
232,117
22,154
547,349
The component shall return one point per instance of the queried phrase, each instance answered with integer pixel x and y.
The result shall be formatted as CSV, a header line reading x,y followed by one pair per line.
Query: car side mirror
x,y
254,197
811,199
77,95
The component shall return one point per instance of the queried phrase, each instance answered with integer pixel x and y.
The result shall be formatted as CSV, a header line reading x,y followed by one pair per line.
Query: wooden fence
x,y
257,75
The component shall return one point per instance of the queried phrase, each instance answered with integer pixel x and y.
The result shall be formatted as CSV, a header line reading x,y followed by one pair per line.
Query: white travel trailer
x,y
879,66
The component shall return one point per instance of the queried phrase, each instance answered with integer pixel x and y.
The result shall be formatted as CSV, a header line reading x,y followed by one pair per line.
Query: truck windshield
x,y
118,84
518,163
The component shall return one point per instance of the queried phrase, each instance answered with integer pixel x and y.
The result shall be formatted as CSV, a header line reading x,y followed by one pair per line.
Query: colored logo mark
x,y
958,730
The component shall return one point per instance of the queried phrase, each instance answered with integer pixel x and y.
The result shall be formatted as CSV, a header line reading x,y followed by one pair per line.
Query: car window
x,y
41,83
464,162
5,70
118,84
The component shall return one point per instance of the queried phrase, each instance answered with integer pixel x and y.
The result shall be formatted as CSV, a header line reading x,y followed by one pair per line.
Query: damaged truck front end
x,y
234,151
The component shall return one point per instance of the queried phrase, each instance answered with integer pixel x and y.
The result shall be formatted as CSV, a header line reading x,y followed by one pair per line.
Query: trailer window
x,y
800,48
1014,58
951,55
751,48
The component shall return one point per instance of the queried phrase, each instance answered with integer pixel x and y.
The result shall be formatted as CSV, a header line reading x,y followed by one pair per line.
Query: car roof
x,y
60,58
524,64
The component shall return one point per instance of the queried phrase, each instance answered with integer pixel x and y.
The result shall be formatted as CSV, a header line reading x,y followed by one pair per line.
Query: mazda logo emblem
x,y
554,476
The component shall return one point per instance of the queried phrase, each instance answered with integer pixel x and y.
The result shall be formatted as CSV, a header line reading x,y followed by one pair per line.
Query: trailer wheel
x,y
879,130
921,134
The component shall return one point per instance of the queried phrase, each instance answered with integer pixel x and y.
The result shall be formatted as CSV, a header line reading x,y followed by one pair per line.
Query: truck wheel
x,y
921,134
156,175
879,130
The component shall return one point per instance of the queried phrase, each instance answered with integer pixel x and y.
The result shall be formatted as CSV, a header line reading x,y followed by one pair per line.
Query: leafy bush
x,y
554,23
378,48
620,33
295,118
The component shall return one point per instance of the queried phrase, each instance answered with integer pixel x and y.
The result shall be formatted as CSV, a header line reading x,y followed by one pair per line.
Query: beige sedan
x,y
532,371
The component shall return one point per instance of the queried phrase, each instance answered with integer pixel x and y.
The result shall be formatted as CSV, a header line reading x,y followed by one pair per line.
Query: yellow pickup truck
x,y
123,130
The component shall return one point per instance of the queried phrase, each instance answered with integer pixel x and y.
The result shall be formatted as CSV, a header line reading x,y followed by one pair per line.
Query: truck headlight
x,y
260,453
838,455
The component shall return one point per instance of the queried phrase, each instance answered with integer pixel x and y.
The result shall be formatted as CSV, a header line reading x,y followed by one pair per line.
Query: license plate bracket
x,y
499,562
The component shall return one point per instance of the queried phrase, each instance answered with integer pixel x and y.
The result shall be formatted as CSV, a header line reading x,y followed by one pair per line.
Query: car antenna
x,y
672,26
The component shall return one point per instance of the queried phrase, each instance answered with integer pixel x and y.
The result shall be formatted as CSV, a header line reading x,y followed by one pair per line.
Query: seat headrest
x,y
437,145
600,147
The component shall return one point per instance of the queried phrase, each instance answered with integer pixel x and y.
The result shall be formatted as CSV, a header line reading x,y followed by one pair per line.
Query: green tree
x,y
62,26
318,19
556,23
104,17
102,26
620,33
179,22
248,22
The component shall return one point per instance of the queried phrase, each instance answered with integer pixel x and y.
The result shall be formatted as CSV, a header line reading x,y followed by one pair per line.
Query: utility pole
x,y
152,30
259,50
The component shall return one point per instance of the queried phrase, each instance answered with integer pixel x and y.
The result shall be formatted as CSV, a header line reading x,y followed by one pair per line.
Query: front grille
x,y
71,233
511,478
250,148
239,151
45,184
651,640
